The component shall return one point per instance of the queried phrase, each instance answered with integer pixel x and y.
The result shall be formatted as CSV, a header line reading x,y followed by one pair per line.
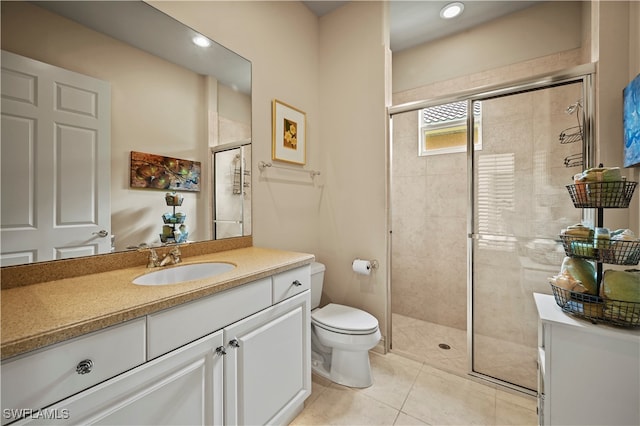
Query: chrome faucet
x,y
171,258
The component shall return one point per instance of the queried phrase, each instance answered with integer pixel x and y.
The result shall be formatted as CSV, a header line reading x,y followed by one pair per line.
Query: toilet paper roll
x,y
362,267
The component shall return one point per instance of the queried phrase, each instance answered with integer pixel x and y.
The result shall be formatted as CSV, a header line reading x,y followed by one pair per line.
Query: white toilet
x,y
341,338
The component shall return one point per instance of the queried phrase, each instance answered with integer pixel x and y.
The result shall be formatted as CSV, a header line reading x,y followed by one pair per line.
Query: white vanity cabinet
x,y
268,363
241,356
589,374
183,387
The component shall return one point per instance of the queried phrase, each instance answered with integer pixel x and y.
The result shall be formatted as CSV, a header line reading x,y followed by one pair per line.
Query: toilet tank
x,y
317,278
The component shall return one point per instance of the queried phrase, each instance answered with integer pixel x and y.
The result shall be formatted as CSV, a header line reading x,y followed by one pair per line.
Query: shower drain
x,y
444,346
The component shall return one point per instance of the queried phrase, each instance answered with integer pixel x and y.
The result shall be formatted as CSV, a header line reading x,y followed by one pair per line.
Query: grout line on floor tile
x,y
415,379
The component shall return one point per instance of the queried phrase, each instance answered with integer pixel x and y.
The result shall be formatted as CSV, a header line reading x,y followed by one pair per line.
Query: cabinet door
x,y
182,387
594,375
544,380
268,364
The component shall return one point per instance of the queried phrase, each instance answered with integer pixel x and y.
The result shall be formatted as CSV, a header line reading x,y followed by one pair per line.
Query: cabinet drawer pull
x,y
221,351
297,283
84,367
234,343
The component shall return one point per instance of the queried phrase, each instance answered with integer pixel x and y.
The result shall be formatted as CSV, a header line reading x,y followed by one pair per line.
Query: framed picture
x,y
631,122
160,172
289,142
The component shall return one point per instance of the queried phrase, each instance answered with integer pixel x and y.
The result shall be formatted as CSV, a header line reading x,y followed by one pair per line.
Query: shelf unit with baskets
x,y
173,230
600,196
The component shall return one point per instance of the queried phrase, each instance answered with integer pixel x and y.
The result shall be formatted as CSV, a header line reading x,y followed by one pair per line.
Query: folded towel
x,y
579,231
614,311
567,282
581,270
582,249
602,238
623,235
599,174
621,285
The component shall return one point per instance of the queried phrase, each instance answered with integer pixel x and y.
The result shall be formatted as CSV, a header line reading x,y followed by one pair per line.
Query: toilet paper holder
x,y
374,263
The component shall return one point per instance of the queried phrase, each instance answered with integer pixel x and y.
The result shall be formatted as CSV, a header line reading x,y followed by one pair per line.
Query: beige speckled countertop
x,y
44,313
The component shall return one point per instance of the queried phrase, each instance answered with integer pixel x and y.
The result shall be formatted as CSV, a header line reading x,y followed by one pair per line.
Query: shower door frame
x,y
580,74
214,219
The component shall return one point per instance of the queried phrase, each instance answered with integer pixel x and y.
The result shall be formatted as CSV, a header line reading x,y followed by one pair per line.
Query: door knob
x,y
102,233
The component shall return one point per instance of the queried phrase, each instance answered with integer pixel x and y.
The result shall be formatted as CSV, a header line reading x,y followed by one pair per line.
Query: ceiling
x,y
418,21
412,23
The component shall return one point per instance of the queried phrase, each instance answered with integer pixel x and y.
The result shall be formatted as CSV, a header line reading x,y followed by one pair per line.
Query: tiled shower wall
x,y
429,204
429,230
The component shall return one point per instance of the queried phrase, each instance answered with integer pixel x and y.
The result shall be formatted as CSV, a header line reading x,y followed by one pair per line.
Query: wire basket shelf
x,y
616,194
597,309
171,219
615,252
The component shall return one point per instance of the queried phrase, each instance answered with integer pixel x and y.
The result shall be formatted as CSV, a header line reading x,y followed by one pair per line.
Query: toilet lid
x,y
344,319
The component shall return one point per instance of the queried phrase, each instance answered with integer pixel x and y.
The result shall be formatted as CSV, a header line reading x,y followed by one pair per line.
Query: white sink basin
x,y
179,274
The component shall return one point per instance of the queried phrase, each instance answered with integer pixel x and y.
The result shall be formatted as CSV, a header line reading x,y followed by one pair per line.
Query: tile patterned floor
x,y
408,392
418,384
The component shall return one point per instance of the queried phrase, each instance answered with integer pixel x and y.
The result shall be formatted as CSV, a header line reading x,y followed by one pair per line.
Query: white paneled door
x,y
55,162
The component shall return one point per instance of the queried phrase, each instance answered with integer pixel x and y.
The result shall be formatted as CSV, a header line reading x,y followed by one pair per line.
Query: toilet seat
x,y
344,319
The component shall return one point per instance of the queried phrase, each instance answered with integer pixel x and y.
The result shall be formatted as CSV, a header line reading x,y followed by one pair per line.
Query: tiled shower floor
x,y
419,340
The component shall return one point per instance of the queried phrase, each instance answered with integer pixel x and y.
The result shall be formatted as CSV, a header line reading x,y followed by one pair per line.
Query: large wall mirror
x,y
150,89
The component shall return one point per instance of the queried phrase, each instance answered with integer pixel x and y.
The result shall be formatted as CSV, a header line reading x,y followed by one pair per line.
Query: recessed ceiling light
x,y
451,10
201,41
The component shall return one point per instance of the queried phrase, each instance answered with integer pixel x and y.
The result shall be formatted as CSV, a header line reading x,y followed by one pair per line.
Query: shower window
x,y
443,128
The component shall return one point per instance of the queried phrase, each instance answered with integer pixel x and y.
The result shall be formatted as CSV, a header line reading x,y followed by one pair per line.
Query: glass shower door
x,y
531,148
232,191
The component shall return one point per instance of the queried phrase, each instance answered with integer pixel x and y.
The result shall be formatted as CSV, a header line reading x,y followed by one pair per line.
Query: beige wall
x,y
617,45
234,117
352,207
612,76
